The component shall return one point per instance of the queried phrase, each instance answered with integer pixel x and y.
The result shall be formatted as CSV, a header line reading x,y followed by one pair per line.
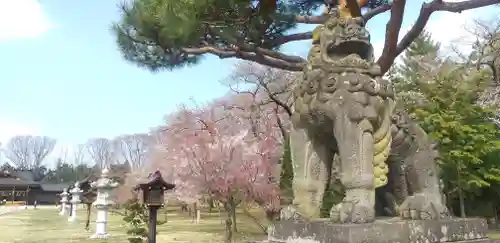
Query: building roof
x,y
26,178
25,175
54,187
11,181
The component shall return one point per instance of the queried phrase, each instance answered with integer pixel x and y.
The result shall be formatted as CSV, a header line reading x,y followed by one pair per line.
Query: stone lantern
x,y
153,196
75,200
104,186
64,201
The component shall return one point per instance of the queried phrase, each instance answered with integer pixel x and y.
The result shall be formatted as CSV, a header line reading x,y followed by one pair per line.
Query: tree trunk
x,y
210,205
462,203
194,209
233,214
228,222
220,213
497,215
461,199
184,207
87,220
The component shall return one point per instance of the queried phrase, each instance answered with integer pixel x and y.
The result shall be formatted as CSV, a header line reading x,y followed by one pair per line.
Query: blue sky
x,y
67,79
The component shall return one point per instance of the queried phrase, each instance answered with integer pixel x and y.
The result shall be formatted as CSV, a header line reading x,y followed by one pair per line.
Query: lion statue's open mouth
x,y
345,43
352,47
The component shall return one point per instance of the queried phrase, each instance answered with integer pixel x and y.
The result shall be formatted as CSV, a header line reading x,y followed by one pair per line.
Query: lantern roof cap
x,y
155,179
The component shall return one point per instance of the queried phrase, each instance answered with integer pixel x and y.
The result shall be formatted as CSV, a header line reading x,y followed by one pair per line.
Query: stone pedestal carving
x,y
64,201
381,231
75,200
104,186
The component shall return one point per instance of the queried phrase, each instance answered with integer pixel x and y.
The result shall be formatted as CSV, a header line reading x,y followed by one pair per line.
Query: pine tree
x,y
421,57
423,50
286,174
137,220
168,34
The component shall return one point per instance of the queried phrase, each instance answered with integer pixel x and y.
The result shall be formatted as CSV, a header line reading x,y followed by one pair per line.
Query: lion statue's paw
x,y
350,212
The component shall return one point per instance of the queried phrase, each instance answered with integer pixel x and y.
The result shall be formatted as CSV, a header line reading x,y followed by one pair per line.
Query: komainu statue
x,y
346,127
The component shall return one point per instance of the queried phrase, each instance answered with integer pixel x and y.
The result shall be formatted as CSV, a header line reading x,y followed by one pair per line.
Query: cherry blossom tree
x,y
263,89
214,152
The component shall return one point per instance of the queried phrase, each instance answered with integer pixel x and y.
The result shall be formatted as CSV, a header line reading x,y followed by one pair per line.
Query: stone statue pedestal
x,y
392,230
101,223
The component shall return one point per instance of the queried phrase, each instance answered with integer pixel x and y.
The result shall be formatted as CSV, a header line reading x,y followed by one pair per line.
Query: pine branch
x,y
291,38
392,34
376,11
277,60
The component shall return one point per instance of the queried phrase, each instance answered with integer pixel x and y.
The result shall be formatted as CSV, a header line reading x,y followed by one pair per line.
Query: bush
x,y
136,217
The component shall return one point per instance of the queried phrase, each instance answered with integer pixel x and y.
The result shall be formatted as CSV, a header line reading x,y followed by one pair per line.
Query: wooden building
x,y
20,186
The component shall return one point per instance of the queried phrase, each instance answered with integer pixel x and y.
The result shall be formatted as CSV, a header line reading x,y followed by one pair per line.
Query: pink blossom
x,y
217,152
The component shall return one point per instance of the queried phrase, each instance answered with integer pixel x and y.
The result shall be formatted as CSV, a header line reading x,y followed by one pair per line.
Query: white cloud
x,y
22,19
453,29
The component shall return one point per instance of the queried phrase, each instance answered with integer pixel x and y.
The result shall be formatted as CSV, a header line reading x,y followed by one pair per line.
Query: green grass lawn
x,y
46,226
494,235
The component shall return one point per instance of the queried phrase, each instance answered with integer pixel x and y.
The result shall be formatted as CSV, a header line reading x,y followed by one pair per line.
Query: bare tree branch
x,y
310,19
265,91
63,155
250,56
134,149
79,155
488,37
321,20
281,126
390,52
268,85
376,11
392,33
101,151
28,152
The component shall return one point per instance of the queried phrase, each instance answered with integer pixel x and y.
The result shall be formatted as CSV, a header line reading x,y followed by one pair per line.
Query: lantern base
x,y
100,236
